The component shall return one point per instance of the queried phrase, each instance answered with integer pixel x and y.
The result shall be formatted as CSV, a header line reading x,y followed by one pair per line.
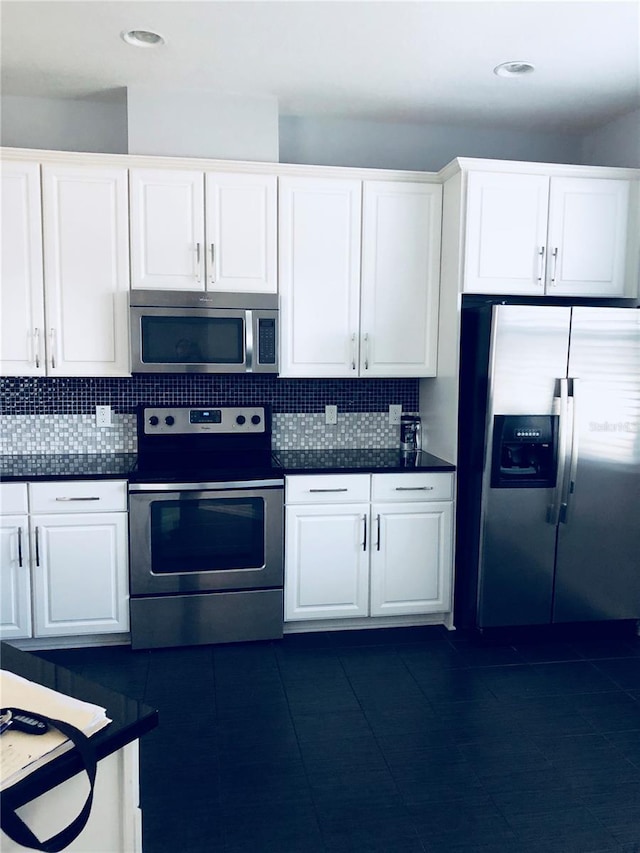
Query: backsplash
x,y
56,416
77,396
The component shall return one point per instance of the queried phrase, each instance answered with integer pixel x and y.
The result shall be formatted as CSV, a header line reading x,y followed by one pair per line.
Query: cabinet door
x,y
506,233
86,264
167,229
587,237
80,573
21,293
400,278
411,558
327,561
319,233
15,582
241,223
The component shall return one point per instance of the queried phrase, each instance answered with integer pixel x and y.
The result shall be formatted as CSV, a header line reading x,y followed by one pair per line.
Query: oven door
x,y
185,539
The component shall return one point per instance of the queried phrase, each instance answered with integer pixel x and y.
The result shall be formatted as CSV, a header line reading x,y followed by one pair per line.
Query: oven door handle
x,y
226,485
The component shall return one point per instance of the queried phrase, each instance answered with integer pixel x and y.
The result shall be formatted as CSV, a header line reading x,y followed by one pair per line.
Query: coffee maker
x,y
410,432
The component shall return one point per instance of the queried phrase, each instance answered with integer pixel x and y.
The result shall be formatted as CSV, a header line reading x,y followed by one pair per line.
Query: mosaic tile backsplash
x,y
57,416
59,434
79,396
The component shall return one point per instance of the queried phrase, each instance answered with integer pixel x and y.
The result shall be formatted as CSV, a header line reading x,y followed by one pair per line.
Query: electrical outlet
x,y
395,413
103,416
331,415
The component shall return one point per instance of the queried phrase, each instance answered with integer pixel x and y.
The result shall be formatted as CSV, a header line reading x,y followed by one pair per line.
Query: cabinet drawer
x,y
79,496
412,487
327,488
13,498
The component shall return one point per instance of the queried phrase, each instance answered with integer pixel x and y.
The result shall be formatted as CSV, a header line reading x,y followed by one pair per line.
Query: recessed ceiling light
x,y
143,38
513,69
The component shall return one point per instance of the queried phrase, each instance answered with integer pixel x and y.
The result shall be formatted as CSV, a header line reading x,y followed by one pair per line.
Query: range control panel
x,y
244,420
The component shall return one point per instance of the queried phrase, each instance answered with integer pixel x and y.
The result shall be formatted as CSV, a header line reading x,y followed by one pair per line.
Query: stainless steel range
x,y
206,528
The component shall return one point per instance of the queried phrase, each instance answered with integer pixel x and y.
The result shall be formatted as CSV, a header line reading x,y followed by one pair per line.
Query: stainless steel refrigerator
x,y
550,466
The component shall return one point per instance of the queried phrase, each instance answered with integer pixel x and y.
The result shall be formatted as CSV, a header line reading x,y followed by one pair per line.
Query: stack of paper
x,y
22,753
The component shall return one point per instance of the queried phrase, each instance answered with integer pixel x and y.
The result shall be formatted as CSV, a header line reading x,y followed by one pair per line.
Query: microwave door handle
x,y
248,343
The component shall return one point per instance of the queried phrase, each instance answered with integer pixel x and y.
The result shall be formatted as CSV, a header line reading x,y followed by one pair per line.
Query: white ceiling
x,y
403,61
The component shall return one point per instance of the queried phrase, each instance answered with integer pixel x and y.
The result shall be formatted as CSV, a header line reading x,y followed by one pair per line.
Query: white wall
x,y
201,124
65,124
615,144
428,147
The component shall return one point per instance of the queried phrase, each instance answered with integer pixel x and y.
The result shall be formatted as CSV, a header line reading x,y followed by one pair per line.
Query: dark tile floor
x,y
396,741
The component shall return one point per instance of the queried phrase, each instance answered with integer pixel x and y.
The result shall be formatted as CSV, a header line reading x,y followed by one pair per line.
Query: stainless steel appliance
x,y
410,433
206,528
183,332
549,488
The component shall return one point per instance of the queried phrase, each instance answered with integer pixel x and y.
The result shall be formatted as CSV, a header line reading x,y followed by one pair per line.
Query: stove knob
x,y
169,420
153,420
255,419
241,420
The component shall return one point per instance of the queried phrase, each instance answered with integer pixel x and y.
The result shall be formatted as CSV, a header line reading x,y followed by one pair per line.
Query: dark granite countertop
x,y
362,461
79,466
130,720
118,466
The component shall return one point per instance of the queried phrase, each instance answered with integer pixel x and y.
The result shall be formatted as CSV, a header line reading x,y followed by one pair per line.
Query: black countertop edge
x,y
60,467
365,461
130,720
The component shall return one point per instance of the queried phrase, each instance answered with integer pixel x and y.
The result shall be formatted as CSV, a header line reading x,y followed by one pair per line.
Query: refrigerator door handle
x,y
570,479
560,408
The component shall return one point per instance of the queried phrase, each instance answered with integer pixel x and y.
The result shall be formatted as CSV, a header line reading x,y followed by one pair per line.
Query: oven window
x,y
192,340
207,535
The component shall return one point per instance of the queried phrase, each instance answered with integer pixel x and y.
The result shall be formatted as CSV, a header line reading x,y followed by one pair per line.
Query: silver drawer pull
x,y
414,488
77,499
328,490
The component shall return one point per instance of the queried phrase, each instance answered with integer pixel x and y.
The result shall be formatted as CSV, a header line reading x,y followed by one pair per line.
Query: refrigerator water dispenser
x,y
524,451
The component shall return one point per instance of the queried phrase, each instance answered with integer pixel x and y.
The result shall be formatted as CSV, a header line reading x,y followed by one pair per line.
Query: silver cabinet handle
x,y
541,267
554,255
378,530
20,547
79,499
212,274
364,541
37,538
328,490
52,340
36,335
414,488
353,351
366,351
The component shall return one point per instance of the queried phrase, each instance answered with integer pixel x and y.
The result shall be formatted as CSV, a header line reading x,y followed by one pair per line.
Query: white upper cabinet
x,y
167,229
587,239
21,292
241,221
65,271
540,235
197,231
86,270
320,221
400,278
359,277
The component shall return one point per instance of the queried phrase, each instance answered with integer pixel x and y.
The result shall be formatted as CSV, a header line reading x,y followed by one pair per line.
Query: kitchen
x,y
57,414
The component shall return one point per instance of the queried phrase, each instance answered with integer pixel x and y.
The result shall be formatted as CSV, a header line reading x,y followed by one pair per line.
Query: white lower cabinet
x,y
65,571
349,555
15,576
411,558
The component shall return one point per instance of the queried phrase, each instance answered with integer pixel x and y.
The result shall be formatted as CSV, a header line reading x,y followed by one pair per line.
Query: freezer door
x,y
598,560
528,360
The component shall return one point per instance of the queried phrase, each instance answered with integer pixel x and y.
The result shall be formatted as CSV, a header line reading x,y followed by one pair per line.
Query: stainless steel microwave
x,y
185,332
